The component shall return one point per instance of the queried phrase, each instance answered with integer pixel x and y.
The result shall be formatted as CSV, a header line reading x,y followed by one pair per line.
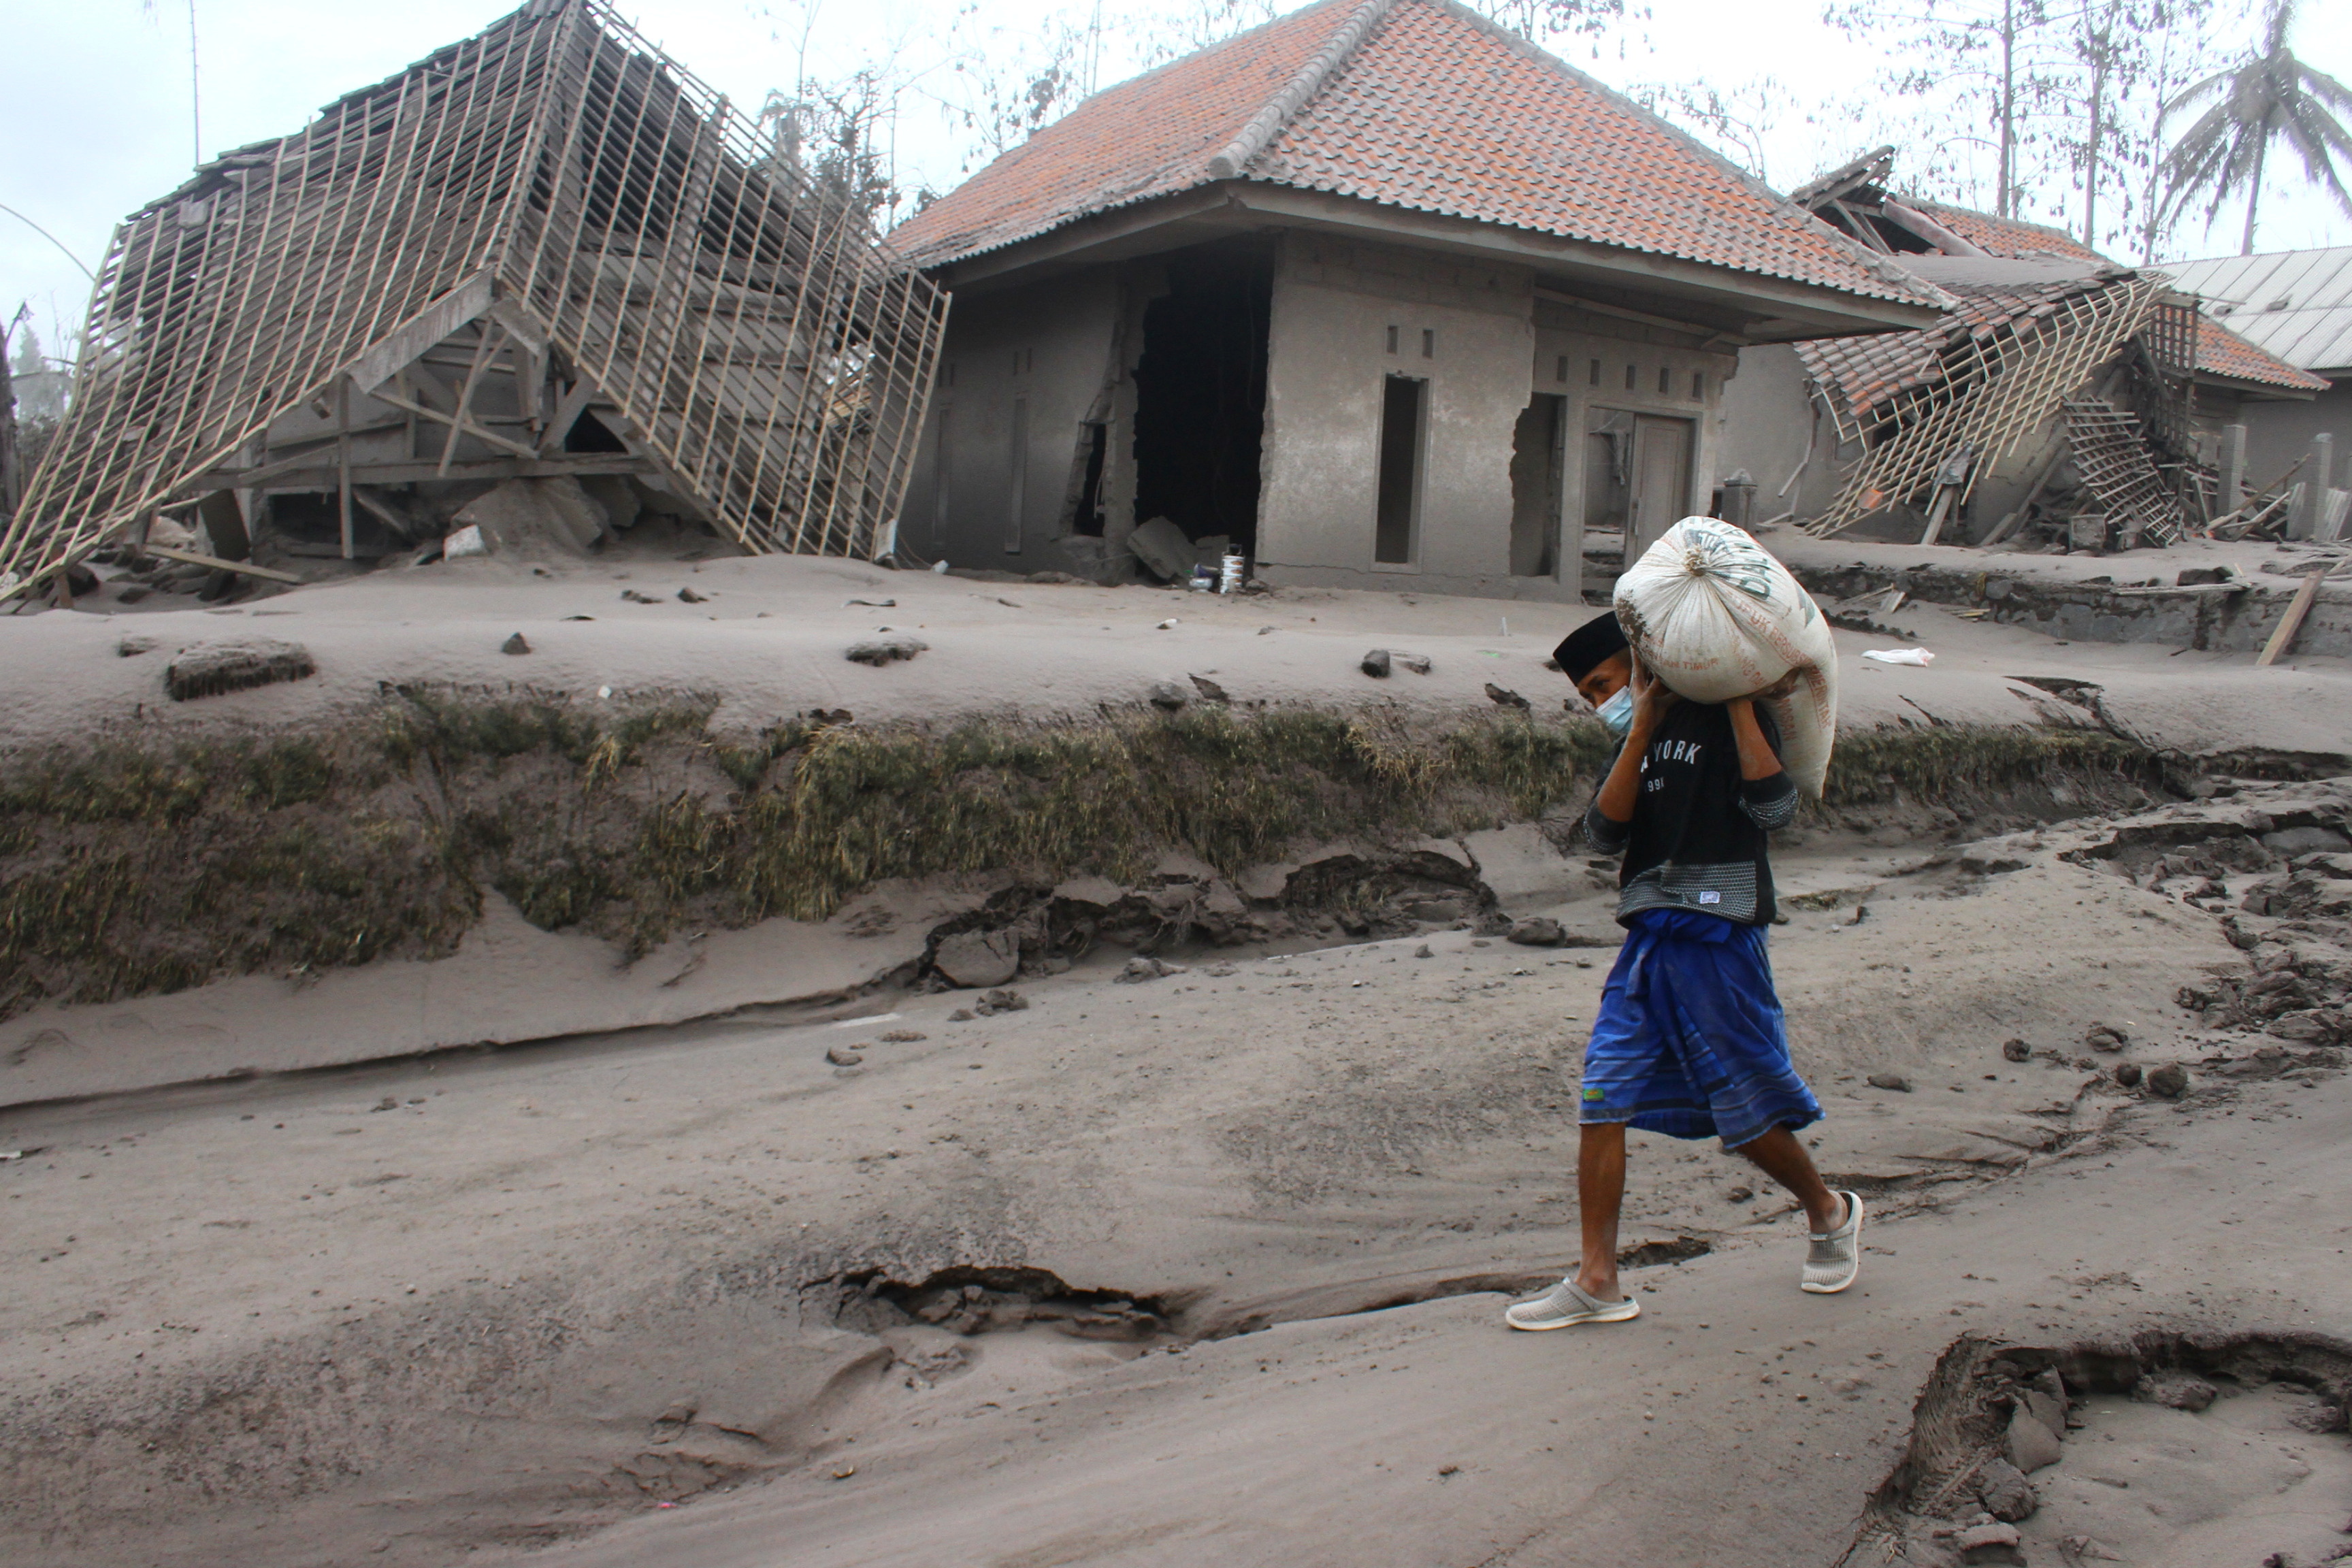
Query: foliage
x,y
127,869
2268,97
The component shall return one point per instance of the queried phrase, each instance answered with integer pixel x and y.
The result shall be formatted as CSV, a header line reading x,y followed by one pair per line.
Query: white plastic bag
x,y
1712,614
467,541
1918,657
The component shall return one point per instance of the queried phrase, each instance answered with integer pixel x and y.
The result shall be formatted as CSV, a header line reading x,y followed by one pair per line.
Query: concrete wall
x,y
1046,355
1064,350
2277,433
1767,424
1606,364
1335,303
1494,345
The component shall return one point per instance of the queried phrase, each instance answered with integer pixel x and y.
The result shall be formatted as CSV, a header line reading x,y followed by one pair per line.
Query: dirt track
x,y
403,1314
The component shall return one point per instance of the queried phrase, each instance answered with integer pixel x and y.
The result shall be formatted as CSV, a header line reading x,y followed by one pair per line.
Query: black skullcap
x,y
1590,645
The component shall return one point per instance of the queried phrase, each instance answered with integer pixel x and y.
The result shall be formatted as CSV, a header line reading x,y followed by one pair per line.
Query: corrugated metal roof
x,y
1436,110
2296,304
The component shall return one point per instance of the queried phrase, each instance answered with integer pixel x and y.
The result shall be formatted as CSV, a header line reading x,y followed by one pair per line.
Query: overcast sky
x,y
96,114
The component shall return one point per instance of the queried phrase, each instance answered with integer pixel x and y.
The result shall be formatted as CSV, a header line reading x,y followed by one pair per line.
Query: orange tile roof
x,y
1864,372
1438,110
1150,136
2220,351
2008,236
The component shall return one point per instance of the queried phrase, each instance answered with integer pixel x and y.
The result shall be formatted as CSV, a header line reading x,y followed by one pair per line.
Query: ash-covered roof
x,y
1863,373
1416,104
2293,304
2223,352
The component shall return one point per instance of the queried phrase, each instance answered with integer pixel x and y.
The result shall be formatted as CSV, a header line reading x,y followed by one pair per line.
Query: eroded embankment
x,y
132,870
2207,609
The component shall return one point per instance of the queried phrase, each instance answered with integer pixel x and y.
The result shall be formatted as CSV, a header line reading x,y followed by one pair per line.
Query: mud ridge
x,y
1993,1412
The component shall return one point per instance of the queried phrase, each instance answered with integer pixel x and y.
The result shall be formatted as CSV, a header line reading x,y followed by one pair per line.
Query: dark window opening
x,y
1536,487
1665,381
1393,339
1698,383
1402,399
1094,446
1595,379
1429,343
1200,393
1560,372
590,434
1629,372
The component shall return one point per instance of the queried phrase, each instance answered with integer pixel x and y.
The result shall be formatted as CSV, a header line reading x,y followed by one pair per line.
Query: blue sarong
x,y
1690,1041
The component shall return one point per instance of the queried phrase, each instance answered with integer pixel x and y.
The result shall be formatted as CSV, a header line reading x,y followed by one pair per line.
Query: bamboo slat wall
x,y
762,344
1993,391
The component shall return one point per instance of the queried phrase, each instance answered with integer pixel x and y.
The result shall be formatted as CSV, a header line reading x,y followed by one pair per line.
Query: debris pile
x,y
542,282
2058,383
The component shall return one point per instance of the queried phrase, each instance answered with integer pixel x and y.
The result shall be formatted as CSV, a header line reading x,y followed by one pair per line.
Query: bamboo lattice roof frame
x,y
1992,390
562,176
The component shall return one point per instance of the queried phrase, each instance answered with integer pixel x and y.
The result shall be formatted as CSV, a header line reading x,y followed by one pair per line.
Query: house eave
x,y
1750,308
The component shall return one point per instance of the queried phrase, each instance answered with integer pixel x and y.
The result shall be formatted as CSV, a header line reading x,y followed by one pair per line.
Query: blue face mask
x,y
1618,712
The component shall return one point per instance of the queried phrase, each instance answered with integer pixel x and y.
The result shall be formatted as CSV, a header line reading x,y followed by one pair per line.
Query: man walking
x,y
1690,1041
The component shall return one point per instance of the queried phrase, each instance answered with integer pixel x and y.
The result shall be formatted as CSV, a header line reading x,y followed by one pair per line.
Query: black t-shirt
x,y
1699,835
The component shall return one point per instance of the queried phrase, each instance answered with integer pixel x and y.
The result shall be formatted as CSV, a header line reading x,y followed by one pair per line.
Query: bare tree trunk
x,y
2254,194
2099,55
2005,206
10,481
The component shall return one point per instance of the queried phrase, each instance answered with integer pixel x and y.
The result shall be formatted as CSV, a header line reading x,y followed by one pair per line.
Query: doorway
x,y
1536,450
1405,402
1200,393
1637,475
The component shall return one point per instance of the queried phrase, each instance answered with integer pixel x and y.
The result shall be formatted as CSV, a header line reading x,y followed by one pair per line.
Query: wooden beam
x,y
1936,510
343,461
467,425
323,477
191,558
2282,638
492,334
567,412
450,314
391,518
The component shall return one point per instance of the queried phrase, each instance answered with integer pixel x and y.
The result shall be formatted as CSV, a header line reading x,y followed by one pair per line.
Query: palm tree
x,y
2268,97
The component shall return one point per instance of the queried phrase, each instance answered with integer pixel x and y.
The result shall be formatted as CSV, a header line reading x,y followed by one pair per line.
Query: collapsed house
x,y
2296,306
2063,397
541,280
1376,295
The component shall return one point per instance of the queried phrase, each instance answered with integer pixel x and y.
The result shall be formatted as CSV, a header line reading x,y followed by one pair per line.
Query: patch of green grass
x,y
127,869
1949,762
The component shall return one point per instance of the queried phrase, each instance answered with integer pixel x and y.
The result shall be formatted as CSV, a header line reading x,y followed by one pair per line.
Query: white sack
x,y
1709,611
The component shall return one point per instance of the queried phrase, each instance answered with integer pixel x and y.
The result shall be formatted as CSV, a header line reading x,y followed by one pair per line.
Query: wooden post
x,y
2282,638
343,456
2234,469
483,353
1936,510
